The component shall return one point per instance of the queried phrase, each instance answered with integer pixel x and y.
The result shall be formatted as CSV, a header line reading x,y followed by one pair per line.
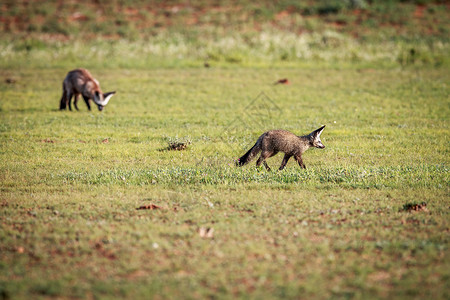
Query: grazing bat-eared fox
x,y
80,81
274,141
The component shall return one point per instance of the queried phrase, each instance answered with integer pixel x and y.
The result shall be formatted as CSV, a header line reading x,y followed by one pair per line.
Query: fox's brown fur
x,y
274,141
80,81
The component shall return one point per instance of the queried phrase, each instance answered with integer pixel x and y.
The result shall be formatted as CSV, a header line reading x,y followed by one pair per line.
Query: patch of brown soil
x,y
418,13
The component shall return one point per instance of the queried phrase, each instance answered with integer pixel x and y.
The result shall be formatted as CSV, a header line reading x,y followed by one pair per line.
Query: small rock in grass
x,y
415,207
282,81
178,146
150,206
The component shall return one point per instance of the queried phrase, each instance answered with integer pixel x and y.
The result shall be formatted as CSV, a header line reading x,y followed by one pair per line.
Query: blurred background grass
x,y
146,34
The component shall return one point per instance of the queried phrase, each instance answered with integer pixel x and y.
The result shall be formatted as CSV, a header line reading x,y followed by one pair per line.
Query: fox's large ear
x,y
318,132
108,96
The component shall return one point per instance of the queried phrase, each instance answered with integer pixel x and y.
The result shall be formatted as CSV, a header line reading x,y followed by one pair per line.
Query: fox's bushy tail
x,y
62,103
247,157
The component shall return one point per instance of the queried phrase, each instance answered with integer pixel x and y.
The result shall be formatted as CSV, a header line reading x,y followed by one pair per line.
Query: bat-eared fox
x,y
274,141
80,81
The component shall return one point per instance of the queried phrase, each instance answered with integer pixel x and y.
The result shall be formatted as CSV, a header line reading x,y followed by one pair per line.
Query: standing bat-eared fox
x,y
80,81
274,141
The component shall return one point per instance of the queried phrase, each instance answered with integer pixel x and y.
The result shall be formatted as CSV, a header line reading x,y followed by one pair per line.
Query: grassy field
x,y
95,206
72,183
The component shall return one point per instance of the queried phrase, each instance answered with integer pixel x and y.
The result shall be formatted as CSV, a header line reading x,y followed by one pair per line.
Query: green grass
x,y
71,183
376,73
271,48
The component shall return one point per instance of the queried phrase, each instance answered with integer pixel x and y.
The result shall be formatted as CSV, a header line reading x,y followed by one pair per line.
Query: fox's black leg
x,y
75,100
262,159
300,161
284,162
267,166
259,161
63,102
86,99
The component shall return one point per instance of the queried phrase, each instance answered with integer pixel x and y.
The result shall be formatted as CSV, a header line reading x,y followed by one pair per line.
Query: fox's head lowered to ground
x,y
80,82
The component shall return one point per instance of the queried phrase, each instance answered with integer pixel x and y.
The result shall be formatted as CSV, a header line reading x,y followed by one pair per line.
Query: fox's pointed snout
x,y
318,144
